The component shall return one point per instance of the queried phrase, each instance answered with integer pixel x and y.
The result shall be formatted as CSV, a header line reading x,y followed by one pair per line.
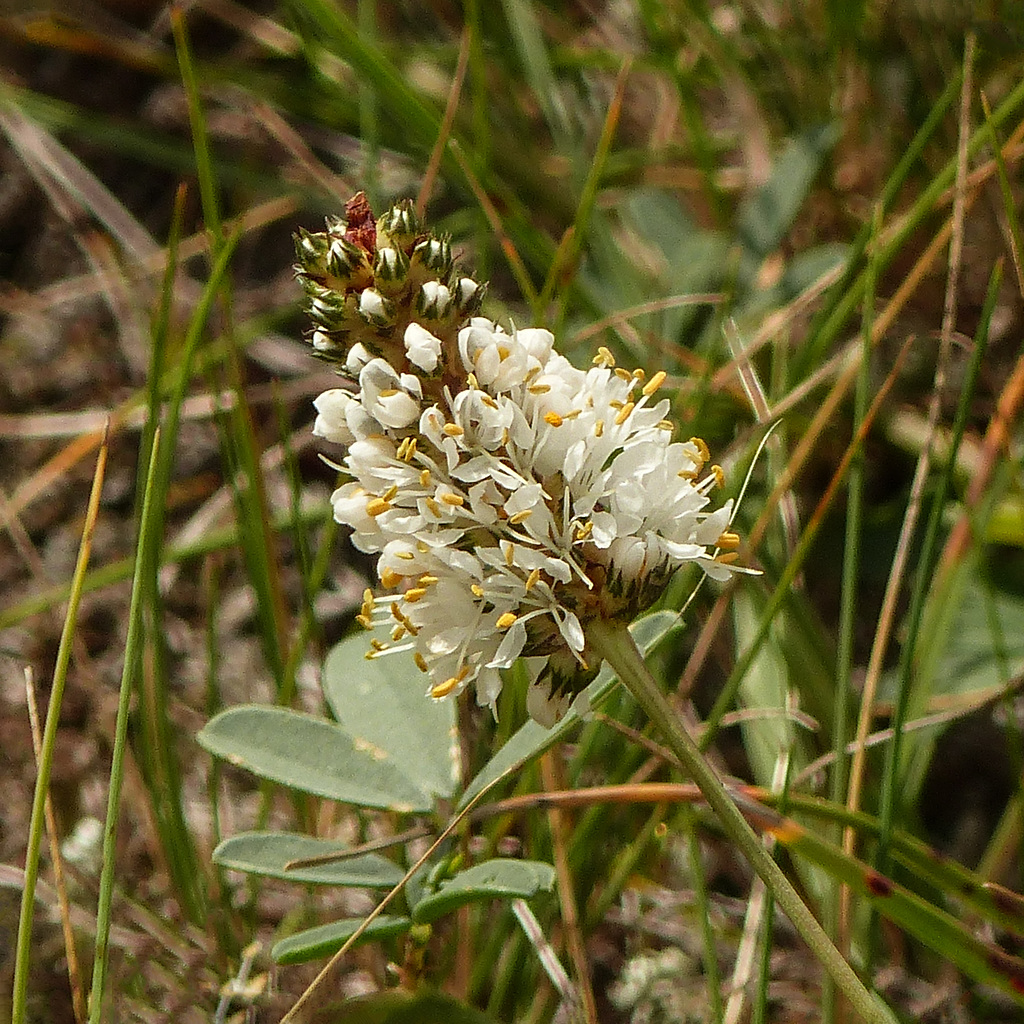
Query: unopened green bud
x,y
435,254
375,309
434,300
390,268
398,226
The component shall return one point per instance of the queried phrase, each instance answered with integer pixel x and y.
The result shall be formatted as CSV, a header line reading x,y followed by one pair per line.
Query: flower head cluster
x,y
512,498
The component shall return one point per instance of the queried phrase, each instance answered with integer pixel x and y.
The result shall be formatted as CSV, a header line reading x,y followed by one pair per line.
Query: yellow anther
x,y
728,541
705,452
367,597
402,448
504,436
410,450
622,373
503,352
598,428
453,430
443,689
376,506
666,425
471,382
585,530
616,404
389,494
638,373
623,414
433,506
398,632
389,578
422,547
655,382
719,475
572,414
406,556
426,580
553,418
378,645
687,474
533,579
488,401
414,594
425,478
506,620
420,662
510,554
364,621
727,557
520,517
604,358
478,591
455,500
389,393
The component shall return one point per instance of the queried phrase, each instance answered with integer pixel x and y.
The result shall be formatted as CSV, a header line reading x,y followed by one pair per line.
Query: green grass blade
x,y
19,988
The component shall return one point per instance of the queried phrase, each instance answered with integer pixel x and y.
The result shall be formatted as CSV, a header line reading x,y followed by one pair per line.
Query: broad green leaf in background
x,y
311,755
500,878
329,938
383,703
267,853
767,214
397,1006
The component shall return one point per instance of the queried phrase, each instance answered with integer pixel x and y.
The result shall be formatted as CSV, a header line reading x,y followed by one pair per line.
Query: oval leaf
x,y
384,703
493,879
311,755
267,853
329,938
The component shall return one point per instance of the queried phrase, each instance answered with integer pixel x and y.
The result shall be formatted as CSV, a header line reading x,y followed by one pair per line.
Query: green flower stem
x,y
614,643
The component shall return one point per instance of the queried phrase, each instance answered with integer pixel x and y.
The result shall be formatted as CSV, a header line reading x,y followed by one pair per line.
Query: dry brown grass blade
x,y
437,153
574,942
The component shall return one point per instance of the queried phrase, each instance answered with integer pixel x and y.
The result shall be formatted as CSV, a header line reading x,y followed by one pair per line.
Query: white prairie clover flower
x,y
512,507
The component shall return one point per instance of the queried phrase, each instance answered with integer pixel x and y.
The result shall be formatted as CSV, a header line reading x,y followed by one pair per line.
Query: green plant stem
x,y
614,643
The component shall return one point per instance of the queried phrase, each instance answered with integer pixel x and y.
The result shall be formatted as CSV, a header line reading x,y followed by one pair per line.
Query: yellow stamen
x,y
604,358
539,389
398,632
389,392
367,597
533,579
422,547
377,645
471,382
598,428
443,689
585,530
420,662
687,474
572,414
727,557
705,452
655,382
455,500
376,506
638,373
389,494
622,373
623,414
506,620
433,506
453,430
410,450
402,448
389,578
427,580
478,591
520,517
489,402
666,425
729,541
414,594
719,475
503,352
553,418
425,478
510,553
364,621
406,556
